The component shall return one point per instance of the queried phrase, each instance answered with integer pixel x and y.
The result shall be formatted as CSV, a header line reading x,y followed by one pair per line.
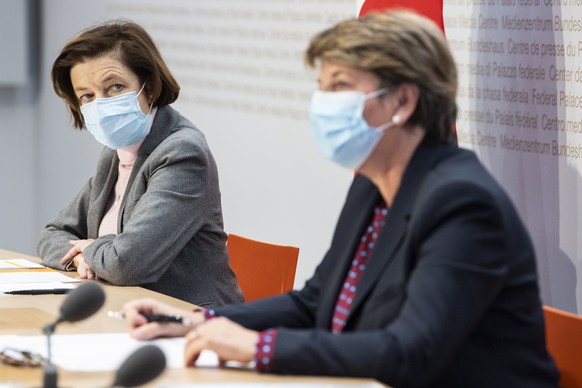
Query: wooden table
x,y
26,315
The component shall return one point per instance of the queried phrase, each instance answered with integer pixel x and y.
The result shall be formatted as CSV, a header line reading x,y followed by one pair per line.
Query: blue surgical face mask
x,y
117,122
339,129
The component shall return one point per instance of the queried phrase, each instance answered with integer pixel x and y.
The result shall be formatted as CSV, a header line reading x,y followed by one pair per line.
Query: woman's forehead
x,y
101,69
331,71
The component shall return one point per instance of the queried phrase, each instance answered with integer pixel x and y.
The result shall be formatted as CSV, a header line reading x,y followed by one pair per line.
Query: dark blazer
x,y
170,235
449,297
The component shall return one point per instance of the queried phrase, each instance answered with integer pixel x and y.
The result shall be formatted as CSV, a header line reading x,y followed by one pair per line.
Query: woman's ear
x,y
406,96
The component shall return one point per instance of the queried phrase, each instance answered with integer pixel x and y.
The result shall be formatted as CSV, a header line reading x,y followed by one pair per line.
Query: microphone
x,y
81,303
142,366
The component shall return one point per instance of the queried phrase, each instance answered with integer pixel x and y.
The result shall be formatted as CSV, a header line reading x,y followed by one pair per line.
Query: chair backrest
x,y
564,341
262,269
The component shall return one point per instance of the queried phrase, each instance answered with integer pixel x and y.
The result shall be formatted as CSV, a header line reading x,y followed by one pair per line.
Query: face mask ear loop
x,y
376,93
395,121
386,126
141,90
151,104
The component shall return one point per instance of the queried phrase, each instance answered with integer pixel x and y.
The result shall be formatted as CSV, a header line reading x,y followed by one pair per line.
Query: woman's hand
x,y
229,340
141,329
75,254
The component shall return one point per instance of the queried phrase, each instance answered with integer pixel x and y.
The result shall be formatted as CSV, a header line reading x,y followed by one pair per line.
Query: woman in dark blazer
x,y
430,279
151,214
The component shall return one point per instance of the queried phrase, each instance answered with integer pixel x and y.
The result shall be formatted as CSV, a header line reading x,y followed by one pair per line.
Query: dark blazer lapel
x,y
353,220
395,227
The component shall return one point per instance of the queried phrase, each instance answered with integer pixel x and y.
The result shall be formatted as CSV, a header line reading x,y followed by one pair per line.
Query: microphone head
x,y
142,366
82,302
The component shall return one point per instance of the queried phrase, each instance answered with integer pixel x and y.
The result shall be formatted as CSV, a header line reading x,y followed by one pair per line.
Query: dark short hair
x,y
398,47
135,49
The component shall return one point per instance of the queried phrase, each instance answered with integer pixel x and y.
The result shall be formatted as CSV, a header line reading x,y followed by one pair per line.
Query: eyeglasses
x,y
16,357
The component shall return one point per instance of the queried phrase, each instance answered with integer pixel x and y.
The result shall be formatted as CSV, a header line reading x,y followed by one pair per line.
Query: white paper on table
x,y
106,352
35,277
103,352
19,264
35,286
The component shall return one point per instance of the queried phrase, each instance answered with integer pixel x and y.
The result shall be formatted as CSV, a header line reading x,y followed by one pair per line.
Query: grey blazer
x,y
170,235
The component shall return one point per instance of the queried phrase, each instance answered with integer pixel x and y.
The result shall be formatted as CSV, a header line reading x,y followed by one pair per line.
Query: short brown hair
x,y
399,47
136,50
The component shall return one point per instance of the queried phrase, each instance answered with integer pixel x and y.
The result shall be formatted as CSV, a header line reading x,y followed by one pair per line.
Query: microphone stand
x,y
80,304
50,371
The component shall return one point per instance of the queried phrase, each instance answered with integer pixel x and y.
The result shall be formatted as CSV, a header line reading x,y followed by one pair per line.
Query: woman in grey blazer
x,y
151,214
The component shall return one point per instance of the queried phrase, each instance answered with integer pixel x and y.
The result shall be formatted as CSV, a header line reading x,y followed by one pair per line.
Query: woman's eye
x,y
114,90
85,98
339,86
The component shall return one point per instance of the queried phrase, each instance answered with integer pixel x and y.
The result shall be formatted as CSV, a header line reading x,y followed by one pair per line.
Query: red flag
x,y
432,9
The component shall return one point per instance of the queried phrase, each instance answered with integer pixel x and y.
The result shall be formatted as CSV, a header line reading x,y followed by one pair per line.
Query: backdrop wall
x,y
520,101
244,84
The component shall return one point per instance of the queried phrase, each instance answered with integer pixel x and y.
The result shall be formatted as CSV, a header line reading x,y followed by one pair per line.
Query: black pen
x,y
154,317
40,292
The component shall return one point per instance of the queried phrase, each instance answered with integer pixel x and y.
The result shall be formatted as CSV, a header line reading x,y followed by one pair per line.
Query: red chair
x,y
564,342
262,269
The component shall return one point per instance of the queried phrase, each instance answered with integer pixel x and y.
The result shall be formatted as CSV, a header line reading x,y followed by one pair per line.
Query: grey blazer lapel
x,y
395,227
105,184
164,121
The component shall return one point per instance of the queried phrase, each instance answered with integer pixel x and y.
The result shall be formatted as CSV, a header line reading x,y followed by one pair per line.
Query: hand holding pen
x,y
154,317
149,318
